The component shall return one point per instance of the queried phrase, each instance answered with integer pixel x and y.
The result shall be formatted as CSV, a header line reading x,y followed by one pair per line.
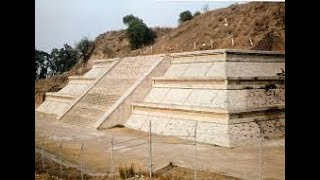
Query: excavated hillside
x,y
261,22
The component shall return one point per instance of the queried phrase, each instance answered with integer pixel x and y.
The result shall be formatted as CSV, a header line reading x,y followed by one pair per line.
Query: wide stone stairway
x,y
106,93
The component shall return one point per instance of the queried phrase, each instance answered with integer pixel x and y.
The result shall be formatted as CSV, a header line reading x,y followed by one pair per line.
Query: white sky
x,y
67,21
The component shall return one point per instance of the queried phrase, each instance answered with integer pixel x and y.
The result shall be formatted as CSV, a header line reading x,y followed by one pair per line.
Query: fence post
x,y
42,157
60,154
211,43
232,41
112,158
150,151
81,160
194,46
195,151
260,150
251,42
260,169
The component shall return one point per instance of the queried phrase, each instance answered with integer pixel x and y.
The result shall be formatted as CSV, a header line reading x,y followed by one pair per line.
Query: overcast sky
x,y
67,21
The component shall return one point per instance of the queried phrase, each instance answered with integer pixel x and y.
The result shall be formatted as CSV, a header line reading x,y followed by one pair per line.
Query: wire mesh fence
x,y
149,153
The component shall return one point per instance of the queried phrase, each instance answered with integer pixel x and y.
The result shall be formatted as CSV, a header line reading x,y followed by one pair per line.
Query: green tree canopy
x,y
130,18
196,14
185,16
137,32
84,48
64,58
42,62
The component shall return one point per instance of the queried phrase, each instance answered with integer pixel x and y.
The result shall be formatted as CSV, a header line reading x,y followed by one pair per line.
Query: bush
x,y
196,14
85,49
129,18
185,16
137,32
233,6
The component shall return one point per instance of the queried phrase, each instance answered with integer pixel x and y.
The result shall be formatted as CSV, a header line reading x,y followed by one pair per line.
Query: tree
x,y
64,58
137,32
42,63
196,14
130,18
185,16
85,49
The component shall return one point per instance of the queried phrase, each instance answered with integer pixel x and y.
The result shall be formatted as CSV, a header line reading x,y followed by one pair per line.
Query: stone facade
x,y
230,94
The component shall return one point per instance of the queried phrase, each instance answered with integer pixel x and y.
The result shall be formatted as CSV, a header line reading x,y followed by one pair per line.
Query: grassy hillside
x,y
262,22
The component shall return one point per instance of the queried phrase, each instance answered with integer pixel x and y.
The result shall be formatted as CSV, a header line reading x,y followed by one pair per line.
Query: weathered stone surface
x,y
76,88
198,84
212,133
136,93
109,93
190,97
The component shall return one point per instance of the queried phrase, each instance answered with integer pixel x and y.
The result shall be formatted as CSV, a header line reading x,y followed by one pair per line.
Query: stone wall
x,y
225,94
212,133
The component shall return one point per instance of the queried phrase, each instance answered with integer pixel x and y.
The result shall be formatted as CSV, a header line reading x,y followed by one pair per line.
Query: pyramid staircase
x,y
107,99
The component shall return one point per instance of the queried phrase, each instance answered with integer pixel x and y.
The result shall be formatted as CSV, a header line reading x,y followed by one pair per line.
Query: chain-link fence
x,y
145,154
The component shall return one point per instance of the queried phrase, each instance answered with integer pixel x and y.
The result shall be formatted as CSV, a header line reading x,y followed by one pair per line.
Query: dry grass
x,y
253,20
126,171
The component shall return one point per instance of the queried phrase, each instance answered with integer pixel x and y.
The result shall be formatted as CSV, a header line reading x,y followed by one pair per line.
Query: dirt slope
x,y
263,23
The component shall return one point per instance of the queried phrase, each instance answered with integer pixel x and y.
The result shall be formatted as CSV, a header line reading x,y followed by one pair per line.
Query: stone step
x,y
96,107
81,80
53,106
132,67
225,63
74,89
78,120
218,82
230,55
96,72
100,63
197,57
87,112
216,115
53,96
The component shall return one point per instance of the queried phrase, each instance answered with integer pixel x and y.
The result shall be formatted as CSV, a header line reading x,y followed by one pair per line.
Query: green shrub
x,y
196,14
137,32
185,16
